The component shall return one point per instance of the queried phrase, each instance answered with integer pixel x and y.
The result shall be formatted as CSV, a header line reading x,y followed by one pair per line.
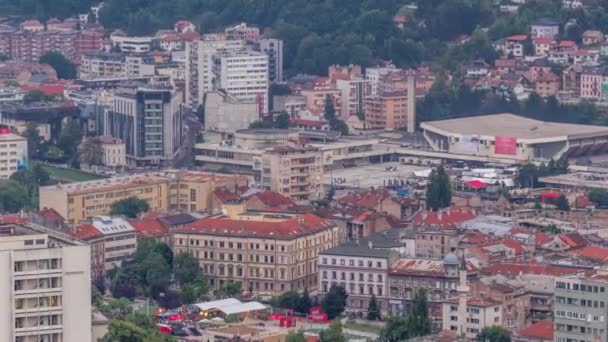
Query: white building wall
x,y
13,154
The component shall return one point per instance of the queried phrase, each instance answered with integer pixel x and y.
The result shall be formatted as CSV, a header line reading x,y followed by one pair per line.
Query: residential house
x,y
539,332
547,84
543,45
499,251
592,37
514,296
481,313
476,69
435,244
513,46
380,200
152,229
592,81
544,28
571,79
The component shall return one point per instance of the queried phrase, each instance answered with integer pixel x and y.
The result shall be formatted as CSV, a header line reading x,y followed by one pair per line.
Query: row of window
x,y
351,262
351,276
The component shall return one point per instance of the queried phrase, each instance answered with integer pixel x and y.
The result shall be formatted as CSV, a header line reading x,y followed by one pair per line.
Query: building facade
x,y
267,257
114,153
354,91
13,154
149,120
274,49
226,113
46,286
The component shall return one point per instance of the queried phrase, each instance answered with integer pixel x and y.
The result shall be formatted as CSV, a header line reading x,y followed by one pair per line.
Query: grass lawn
x,y
364,328
347,335
68,175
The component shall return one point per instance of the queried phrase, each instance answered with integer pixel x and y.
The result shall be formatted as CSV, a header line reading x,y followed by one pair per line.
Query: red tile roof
x,y
574,240
592,252
510,243
51,215
505,63
582,202
540,238
542,330
544,40
225,195
12,219
514,269
273,199
49,89
447,218
519,37
567,43
476,237
288,229
150,228
86,232
309,123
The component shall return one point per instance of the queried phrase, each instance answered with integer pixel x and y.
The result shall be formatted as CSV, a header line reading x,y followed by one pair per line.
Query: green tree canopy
x,y
232,288
130,207
373,310
13,197
562,203
295,337
35,96
438,190
599,197
334,302
64,68
333,333
396,330
418,322
494,334
186,268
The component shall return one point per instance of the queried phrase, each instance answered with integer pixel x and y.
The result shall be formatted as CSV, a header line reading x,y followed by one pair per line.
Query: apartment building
x,y
171,190
115,65
244,75
387,111
199,59
13,153
149,120
480,313
112,240
293,171
113,153
361,270
316,98
435,244
291,104
226,113
267,254
354,91
125,43
45,289
274,49
581,309
242,32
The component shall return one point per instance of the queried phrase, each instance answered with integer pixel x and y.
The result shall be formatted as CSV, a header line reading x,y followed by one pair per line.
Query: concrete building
x,y
199,66
515,139
13,153
292,104
46,286
361,270
267,254
189,191
242,32
274,49
354,91
114,153
149,120
479,313
375,74
131,44
244,75
293,171
102,65
394,106
581,308
226,113
512,46
544,28
315,99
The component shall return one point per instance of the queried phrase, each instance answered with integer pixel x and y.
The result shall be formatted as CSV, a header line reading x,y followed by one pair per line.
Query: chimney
x,y
411,102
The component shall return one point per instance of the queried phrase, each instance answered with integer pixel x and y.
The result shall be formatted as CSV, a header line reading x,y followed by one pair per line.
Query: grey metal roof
x,y
354,249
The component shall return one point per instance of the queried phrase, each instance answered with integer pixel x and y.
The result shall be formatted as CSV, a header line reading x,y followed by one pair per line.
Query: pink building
x,y
592,79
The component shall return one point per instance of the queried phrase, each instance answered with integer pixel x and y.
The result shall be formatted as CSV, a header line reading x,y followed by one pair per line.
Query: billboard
x,y
505,145
469,143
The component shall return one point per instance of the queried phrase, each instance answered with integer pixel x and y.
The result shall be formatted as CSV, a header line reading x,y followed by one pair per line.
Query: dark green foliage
x,y
295,337
562,203
64,68
416,324
232,289
373,310
129,207
599,197
333,333
438,190
3,57
529,173
186,269
31,180
282,121
70,138
395,330
293,300
334,302
36,96
494,334
13,197
34,140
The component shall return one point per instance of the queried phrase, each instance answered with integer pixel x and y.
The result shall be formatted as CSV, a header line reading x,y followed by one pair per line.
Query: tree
x,y
34,140
339,125
304,303
289,300
158,274
195,290
295,337
334,302
70,138
128,331
90,152
494,334
562,203
232,288
418,322
395,330
64,68
329,111
96,298
116,308
35,96
333,333
373,311
186,268
599,197
170,299
282,121
200,113
13,197
124,284
129,207
3,57
438,190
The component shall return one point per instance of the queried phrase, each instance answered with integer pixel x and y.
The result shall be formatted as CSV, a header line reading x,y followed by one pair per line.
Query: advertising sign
x,y
469,143
505,145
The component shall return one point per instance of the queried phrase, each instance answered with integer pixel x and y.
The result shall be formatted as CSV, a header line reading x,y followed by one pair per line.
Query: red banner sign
x,y
505,145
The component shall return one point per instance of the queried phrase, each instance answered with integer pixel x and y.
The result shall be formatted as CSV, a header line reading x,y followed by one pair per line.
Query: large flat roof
x,y
511,125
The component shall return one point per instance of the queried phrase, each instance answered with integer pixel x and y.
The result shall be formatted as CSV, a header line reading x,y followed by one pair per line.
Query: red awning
x,y
549,195
476,184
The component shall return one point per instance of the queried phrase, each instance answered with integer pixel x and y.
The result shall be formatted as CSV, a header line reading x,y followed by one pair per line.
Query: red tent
x,y
476,184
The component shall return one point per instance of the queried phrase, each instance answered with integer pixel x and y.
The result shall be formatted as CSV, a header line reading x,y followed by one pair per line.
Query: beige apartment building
x,y
188,191
13,154
45,288
267,254
293,171
113,152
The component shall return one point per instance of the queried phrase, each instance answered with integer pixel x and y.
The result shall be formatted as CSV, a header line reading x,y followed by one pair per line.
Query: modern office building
x,y
267,254
581,308
189,191
149,120
199,58
45,288
293,171
274,49
244,75
13,153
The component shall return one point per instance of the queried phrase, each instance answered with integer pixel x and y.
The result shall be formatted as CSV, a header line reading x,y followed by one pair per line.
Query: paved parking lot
x,y
376,175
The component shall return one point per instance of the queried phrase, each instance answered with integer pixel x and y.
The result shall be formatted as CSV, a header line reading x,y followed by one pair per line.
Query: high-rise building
x,y
244,75
354,91
13,153
274,49
293,171
581,308
149,120
199,66
45,288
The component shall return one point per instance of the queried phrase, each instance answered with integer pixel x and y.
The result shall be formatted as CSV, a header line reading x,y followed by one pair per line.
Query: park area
x,y
61,174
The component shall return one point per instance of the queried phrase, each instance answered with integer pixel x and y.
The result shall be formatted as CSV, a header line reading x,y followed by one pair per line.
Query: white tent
x,y
231,306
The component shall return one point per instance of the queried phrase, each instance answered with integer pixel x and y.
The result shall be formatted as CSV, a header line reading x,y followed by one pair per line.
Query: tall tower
x,y
463,292
411,101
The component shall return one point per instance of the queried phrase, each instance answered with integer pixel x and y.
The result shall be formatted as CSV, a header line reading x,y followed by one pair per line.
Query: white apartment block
x,y
13,154
244,75
354,92
114,152
45,288
199,66
102,65
375,74
120,239
480,313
